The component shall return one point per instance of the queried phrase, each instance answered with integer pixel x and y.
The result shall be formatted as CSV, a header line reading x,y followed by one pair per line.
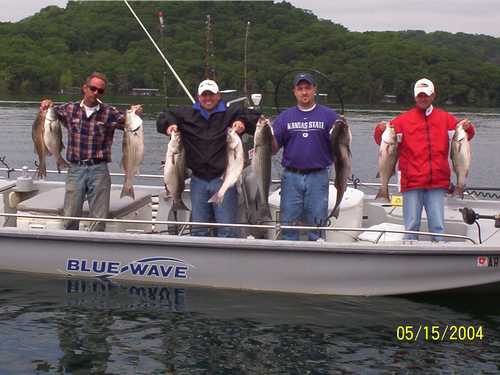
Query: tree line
x,y
57,48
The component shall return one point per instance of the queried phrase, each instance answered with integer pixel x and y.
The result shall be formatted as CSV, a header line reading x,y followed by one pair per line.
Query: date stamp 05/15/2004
x,y
439,333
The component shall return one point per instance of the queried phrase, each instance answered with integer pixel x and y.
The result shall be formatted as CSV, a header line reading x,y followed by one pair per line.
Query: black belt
x,y
303,171
89,162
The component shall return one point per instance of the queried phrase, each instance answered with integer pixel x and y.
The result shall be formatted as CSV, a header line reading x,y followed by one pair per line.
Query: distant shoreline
x,y
158,103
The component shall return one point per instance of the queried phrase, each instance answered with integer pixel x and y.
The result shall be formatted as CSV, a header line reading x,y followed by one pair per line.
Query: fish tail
x,y
217,198
459,191
127,191
179,205
264,213
383,194
42,169
334,212
61,164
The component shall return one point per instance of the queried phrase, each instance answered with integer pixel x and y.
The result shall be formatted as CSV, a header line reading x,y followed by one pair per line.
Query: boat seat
x,y
52,203
6,185
381,237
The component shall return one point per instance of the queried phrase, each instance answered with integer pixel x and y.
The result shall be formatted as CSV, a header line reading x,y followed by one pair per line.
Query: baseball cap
x,y
208,85
424,85
303,77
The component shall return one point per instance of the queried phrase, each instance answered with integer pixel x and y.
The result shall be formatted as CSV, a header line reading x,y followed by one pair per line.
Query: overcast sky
x,y
469,16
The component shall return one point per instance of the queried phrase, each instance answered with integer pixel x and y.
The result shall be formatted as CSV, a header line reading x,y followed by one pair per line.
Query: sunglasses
x,y
96,89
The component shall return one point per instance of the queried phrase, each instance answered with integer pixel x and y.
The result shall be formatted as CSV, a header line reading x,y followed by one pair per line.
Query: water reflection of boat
x,y
107,328
365,257
226,304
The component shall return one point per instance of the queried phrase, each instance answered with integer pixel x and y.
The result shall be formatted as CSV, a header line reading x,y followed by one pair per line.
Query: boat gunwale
x,y
277,226
261,245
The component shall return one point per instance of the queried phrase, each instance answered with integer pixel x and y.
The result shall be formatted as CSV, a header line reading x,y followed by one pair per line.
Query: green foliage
x,y
57,48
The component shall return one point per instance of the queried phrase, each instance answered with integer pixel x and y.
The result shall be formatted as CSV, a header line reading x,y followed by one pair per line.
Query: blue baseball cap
x,y
304,77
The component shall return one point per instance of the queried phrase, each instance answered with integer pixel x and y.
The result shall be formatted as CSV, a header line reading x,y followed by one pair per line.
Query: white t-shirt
x,y
90,110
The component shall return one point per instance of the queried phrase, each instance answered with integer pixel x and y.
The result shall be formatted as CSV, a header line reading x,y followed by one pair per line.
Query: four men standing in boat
x,y
422,135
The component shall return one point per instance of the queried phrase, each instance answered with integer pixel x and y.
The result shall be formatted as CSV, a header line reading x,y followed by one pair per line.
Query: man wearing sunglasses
x,y
91,125
203,127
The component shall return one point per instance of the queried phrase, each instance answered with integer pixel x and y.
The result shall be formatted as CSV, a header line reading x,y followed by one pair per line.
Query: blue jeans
x,y
433,201
202,211
304,198
87,182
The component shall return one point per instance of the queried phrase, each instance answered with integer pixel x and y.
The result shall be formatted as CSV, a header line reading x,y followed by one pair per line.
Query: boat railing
x,y
49,171
357,183
473,192
276,227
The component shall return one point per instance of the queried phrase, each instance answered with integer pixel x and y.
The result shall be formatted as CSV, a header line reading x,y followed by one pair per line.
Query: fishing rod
x,y
160,52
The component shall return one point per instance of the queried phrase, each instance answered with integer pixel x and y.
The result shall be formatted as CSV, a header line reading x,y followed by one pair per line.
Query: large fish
x,y
461,157
235,161
174,171
47,138
132,151
341,151
387,159
261,166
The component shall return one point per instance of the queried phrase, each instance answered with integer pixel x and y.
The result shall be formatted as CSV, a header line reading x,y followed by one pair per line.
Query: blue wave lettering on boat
x,y
159,267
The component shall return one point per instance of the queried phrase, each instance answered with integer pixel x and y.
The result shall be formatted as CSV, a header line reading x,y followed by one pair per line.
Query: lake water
x,y
72,326
61,326
16,144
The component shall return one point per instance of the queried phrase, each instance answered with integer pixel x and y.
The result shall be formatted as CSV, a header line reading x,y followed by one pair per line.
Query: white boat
x,y
363,254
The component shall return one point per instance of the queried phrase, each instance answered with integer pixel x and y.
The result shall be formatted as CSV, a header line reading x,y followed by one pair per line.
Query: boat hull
x,y
264,265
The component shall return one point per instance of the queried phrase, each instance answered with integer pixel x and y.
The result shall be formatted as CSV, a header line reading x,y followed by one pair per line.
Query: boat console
x,y
351,213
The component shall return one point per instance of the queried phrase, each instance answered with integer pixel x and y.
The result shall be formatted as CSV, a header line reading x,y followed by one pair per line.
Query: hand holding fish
x,y
239,126
382,125
172,129
46,104
466,124
137,109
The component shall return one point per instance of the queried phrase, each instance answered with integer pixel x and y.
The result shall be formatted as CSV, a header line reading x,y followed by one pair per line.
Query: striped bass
x,y
47,139
461,156
341,149
175,170
132,151
261,166
235,161
387,159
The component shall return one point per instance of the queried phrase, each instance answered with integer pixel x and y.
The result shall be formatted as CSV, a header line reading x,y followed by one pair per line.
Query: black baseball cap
x,y
304,77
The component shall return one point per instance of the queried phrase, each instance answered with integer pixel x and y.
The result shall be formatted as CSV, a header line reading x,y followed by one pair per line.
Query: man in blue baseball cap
x,y
304,133
304,77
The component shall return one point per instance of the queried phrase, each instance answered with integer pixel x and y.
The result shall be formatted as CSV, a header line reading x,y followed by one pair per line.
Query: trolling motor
x,y
470,216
